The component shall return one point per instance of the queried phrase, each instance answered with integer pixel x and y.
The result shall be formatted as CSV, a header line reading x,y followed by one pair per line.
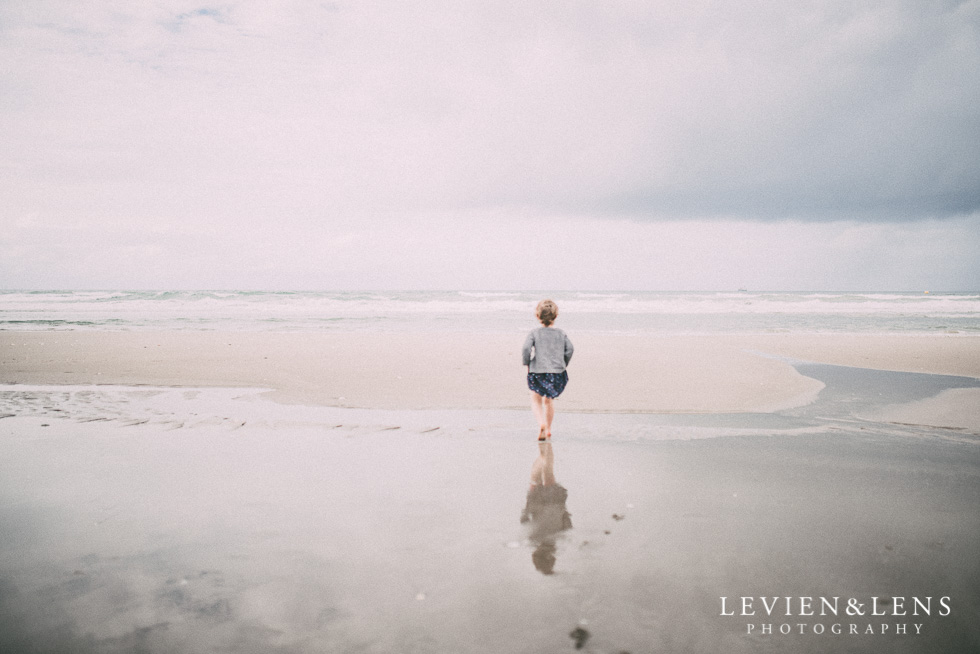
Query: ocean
x,y
742,312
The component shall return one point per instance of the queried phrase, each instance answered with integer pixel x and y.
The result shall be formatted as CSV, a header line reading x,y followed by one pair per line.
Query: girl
x,y
546,352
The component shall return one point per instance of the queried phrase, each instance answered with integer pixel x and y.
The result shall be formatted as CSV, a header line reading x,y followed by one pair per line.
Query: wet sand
x,y
121,538
146,519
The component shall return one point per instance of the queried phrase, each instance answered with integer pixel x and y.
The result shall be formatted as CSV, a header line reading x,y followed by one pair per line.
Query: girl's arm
x,y
526,351
569,350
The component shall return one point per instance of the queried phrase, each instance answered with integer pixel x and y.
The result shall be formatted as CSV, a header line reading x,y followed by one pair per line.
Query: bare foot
x,y
543,435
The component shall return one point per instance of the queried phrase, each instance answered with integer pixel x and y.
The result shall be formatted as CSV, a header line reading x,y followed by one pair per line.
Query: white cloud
x,y
168,130
501,252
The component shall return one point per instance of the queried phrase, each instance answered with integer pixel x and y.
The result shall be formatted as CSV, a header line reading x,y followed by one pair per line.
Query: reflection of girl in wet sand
x,y
546,353
545,512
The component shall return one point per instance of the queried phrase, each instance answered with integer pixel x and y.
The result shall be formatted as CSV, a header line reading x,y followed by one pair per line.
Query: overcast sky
x,y
686,145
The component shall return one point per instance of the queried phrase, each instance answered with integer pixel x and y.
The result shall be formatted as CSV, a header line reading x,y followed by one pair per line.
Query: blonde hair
x,y
546,312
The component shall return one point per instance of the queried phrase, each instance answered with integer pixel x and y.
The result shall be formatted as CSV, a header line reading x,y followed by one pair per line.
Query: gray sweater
x,y
547,349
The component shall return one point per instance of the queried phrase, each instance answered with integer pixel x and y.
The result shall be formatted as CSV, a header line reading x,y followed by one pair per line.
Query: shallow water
x,y
139,519
127,539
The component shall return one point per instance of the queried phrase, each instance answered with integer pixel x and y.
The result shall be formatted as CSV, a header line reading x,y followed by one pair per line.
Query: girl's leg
x,y
537,471
549,413
543,469
548,469
540,414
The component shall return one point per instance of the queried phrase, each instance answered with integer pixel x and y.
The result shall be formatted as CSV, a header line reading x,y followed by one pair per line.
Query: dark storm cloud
x,y
825,110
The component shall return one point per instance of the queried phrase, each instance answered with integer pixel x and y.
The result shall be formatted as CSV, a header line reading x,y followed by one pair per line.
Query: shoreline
x,y
471,370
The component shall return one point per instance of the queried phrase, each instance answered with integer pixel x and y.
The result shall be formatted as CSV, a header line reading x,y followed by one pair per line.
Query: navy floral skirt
x,y
547,384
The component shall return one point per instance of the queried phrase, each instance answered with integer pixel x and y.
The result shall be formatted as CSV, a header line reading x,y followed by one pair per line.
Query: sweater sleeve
x,y
526,351
569,349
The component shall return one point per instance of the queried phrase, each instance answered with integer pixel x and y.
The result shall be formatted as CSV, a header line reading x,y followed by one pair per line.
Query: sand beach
x,y
291,492
466,370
